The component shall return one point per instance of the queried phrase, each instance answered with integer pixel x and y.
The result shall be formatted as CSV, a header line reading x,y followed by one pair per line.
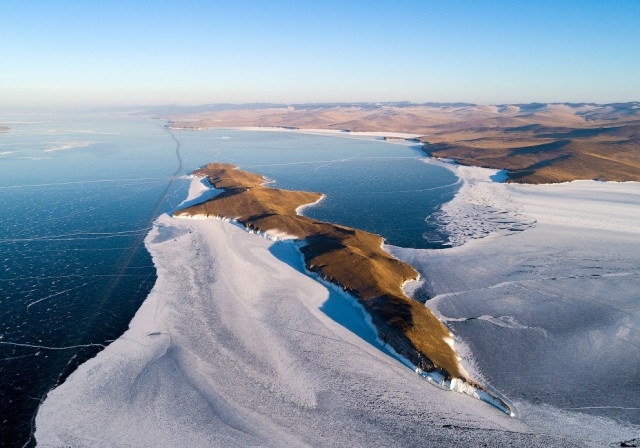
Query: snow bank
x,y
332,132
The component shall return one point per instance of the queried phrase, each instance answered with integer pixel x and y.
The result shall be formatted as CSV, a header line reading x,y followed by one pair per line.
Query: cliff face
x,y
350,258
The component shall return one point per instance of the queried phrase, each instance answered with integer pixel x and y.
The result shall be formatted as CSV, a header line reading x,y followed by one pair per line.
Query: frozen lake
x,y
78,194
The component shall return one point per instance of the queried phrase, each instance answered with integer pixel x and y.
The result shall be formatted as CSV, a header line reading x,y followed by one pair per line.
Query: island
x,y
349,258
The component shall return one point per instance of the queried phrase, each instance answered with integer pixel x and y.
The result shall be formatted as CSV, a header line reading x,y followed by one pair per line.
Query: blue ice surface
x,y
72,225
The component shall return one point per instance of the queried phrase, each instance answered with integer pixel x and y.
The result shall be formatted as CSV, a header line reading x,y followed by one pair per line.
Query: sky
x,y
137,52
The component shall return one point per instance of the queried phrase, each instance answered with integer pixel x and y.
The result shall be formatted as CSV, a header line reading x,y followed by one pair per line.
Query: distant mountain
x,y
535,142
175,109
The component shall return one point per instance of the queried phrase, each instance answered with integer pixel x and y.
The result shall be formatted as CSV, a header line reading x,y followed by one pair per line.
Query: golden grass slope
x,y
350,258
539,154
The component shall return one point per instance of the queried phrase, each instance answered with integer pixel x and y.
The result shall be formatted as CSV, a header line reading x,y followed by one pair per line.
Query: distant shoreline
x,y
381,135
536,143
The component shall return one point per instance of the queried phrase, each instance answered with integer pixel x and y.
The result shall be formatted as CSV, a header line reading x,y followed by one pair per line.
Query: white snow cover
x,y
300,209
481,206
280,235
237,346
200,190
332,132
546,308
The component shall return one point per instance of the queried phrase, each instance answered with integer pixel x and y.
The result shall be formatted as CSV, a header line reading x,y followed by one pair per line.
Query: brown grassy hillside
x,y
350,258
536,143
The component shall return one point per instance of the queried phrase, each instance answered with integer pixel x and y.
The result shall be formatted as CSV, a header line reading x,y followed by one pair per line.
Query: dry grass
x,y
537,143
551,161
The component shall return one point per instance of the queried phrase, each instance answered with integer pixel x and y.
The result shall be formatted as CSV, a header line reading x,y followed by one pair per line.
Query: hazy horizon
x,y
78,55
7,111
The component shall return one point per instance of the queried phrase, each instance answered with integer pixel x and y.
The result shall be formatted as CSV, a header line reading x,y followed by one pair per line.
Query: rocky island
x,y
349,258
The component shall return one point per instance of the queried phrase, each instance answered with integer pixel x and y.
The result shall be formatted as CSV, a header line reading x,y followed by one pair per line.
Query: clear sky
x,y
192,52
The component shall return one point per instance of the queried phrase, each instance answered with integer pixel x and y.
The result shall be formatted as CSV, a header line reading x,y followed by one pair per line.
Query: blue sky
x,y
194,52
